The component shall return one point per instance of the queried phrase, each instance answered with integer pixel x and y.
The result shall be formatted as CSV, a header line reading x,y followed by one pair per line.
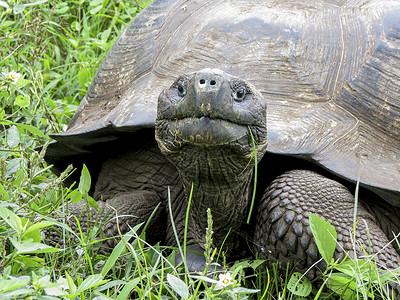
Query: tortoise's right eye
x,y
181,89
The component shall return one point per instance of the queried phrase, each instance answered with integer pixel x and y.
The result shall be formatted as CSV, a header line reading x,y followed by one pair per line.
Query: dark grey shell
x,y
329,69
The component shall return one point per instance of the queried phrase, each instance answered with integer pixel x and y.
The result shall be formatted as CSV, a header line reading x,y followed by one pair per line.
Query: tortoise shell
x,y
329,70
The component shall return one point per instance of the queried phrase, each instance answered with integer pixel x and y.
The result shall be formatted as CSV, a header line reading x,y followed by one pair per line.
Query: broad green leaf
x,y
178,285
3,193
22,101
62,8
325,237
343,285
349,267
51,196
75,196
2,113
239,266
32,129
28,246
18,293
30,261
256,263
85,181
205,278
76,26
4,94
242,290
20,177
46,63
96,10
13,136
54,289
105,34
110,285
4,122
84,78
9,285
299,285
71,285
19,8
13,166
90,282
126,291
93,203
11,219
33,232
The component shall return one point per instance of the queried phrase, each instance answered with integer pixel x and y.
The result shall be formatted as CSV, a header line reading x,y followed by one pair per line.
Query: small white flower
x,y
224,280
14,76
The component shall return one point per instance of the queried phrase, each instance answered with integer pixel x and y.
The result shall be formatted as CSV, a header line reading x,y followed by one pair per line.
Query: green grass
x,y
50,51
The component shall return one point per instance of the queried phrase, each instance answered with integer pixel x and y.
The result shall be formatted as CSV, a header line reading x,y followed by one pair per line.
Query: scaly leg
x,y
283,232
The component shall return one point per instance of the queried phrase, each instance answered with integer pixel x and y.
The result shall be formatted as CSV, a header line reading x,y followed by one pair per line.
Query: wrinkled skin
x,y
209,124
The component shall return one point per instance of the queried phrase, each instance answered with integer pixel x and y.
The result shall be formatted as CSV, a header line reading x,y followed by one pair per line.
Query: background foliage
x,y
49,52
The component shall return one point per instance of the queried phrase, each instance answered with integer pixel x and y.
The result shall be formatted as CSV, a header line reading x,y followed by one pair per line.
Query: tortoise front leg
x,y
121,213
129,188
117,216
283,232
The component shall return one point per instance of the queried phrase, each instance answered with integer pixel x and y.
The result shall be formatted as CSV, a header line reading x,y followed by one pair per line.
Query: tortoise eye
x,y
239,94
181,89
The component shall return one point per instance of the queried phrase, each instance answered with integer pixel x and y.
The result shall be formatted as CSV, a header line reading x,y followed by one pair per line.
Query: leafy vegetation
x,y
50,51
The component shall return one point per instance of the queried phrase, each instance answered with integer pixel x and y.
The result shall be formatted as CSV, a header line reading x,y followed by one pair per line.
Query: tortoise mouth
x,y
205,130
205,120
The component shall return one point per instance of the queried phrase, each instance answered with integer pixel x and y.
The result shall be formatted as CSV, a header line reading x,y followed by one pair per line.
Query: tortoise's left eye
x,y
239,94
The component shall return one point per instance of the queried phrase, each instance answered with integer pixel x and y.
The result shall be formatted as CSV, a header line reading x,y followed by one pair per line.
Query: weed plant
x,y
50,51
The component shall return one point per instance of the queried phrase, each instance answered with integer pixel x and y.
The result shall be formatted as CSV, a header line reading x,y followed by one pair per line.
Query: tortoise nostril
x,y
202,81
212,82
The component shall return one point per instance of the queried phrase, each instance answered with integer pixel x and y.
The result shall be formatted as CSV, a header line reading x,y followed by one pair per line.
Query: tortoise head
x,y
211,108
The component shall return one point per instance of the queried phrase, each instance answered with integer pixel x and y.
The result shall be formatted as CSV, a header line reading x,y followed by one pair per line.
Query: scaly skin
x,y
283,232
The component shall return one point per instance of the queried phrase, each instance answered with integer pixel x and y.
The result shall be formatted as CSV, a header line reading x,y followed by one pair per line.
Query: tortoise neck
x,y
221,181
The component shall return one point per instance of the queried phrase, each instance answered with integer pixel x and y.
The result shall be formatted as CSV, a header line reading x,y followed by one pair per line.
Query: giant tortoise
x,y
193,91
